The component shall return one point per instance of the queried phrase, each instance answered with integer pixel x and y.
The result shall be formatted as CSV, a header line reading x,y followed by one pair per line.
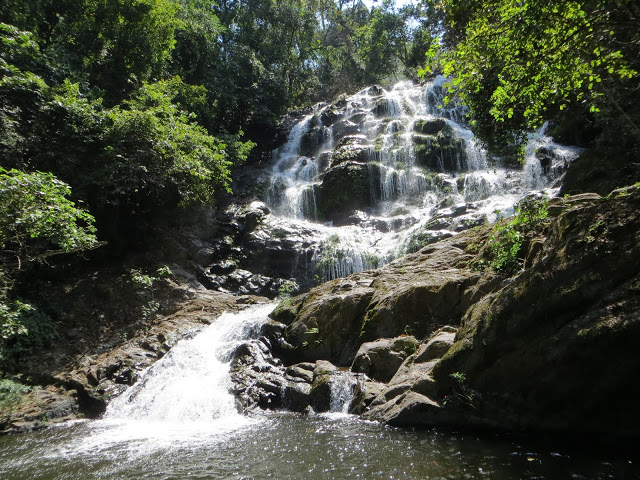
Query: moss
x,y
348,187
430,127
286,311
440,152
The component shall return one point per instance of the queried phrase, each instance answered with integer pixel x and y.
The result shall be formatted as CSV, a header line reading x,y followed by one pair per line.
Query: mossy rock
x,y
431,127
311,141
442,152
352,148
286,311
423,238
347,187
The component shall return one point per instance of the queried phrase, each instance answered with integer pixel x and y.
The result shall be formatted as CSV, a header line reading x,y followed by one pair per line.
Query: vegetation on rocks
x,y
528,350
506,242
119,119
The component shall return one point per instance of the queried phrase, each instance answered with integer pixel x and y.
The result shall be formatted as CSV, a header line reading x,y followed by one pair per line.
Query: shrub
x,y
506,241
11,396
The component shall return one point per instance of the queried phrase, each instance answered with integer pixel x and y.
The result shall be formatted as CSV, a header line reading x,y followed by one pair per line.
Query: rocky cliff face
x,y
360,182
443,343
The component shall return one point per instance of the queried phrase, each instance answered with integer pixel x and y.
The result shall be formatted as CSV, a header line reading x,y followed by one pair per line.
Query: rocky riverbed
x,y
432,339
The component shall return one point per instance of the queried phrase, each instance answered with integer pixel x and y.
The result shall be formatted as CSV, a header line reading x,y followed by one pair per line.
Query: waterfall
x,y
343,386
191,383
370,174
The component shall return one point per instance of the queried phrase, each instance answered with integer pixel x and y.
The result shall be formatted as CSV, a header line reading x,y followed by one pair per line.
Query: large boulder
x,y
431,126
328,320
351,148
442,152
423,292
555,349
347,187
416,294
380,359
413,375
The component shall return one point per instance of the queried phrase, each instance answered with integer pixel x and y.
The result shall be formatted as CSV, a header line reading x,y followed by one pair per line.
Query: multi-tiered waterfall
x,y
383,172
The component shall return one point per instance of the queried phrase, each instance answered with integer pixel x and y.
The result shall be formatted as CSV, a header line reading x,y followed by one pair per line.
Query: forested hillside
x,y
118,114
114,114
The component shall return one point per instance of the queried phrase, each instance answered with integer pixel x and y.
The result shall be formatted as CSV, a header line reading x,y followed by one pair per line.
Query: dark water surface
x,y
293,447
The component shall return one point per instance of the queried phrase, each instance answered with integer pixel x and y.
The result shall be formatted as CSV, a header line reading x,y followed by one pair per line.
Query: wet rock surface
x,y
68,385
520,352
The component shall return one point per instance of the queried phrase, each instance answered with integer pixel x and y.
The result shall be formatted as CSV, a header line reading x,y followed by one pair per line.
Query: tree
x,y
518,64
38,220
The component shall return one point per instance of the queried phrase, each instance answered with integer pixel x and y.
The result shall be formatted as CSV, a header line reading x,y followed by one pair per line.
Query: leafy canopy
x,y
518,64
35,213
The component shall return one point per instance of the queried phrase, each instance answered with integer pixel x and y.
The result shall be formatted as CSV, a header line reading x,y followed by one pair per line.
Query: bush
x,y
504,246
505,243
23,330
36,214
11,396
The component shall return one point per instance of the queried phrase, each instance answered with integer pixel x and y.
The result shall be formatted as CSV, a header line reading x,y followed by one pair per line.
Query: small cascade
x,y
369,176
343,386
191,383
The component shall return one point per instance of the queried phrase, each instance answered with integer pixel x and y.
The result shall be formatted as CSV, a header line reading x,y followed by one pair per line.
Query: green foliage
x,y
154,150
504,247
35,213
23,330
286,289
518,64
164,271
146,281
531,212
11,319
18,50
37,220
115,45
462,396
12,395
506,241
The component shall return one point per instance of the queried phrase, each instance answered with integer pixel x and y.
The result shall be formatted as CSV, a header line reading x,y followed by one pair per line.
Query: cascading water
x,y
373,174
190,385
343,386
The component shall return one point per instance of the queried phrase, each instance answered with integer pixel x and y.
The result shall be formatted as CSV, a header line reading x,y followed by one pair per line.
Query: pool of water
x,y
287,446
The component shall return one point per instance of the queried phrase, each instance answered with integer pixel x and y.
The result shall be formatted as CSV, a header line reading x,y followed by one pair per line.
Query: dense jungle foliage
x,y
116,112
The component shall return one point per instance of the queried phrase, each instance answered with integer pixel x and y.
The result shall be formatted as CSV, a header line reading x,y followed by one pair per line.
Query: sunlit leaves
x,y
521,62
35,206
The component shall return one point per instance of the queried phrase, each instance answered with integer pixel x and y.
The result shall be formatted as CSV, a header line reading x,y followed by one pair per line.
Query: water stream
x,y
179,421
373,175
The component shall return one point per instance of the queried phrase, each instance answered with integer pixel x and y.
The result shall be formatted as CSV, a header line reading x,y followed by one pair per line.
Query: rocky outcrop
x,y
347,187
554,348
551,348
442,152
416,294
380,359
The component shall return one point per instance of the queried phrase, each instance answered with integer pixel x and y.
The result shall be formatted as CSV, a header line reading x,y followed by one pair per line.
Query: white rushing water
x,y
191,383
185,395
459,187
342,387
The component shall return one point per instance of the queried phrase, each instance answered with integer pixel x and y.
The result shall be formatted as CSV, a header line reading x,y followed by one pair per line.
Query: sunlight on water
x,y
385,127
183,398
